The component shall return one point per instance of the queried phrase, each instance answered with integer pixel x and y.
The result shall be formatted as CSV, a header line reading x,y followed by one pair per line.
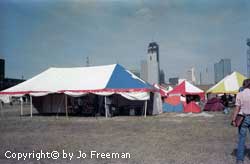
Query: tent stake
x,y
31,107
66,106
146,104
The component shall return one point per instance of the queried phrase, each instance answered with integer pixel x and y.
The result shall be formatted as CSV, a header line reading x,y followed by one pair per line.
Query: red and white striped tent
x,y
186,88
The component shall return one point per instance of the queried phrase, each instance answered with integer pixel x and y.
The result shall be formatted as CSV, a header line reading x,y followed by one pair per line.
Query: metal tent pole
x,y
31,107
106,111
146,104
21,99
1,108
66,105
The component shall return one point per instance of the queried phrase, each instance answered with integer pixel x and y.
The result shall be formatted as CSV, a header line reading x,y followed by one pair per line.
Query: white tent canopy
x,y
76,82
100,80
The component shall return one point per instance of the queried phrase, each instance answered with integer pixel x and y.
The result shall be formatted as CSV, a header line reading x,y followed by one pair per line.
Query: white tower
x,y
153,63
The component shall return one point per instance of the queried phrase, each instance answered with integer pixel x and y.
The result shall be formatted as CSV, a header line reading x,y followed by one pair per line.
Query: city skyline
x,y
222,69
42,34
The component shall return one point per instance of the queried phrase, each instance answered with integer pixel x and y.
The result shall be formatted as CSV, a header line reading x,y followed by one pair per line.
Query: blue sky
x,y
38,34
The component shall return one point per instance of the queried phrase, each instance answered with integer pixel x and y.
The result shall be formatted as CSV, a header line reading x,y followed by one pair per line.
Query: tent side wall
x,y
52,103
55,103
157,105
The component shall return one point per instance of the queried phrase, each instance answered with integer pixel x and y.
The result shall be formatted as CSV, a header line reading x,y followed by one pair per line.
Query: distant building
x,y
153,63
2,69
173,80
144,70
162,77
181,80
7,82
135,72
248,58
222,69
204,87
151,69
190,76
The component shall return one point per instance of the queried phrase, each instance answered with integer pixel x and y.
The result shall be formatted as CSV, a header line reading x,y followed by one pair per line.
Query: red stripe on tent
x,y
82,91
112,90
22,92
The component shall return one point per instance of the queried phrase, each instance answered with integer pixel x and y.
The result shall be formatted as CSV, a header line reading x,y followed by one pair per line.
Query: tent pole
x,y
31,107
21,99
1,108
66,105
146,104
106,112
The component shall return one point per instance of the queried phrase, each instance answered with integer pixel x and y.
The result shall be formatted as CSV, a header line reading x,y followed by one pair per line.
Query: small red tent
x,y
186,88
192,107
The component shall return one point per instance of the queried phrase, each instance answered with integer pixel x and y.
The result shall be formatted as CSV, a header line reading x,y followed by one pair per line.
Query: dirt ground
x,y
163,139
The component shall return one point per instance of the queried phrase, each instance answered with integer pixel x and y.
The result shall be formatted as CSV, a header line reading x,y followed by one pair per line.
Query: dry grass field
x,y
163,139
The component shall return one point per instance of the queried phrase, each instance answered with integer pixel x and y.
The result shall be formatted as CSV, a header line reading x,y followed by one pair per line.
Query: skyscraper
x,y
190,76
222,69
153,63
248,58
162,77
150,68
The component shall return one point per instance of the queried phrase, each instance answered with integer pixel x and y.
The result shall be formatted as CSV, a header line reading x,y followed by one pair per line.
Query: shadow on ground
x,y
247,153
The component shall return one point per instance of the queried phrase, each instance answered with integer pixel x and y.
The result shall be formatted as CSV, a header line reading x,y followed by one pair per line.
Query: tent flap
x,y
157,104
135,95
75,94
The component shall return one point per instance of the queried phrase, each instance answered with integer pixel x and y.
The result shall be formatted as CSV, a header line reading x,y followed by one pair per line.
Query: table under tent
x,y
103,90
184,98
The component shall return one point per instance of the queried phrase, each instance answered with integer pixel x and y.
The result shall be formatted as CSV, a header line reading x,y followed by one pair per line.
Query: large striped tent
x,y
75,82
81,80
230,84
